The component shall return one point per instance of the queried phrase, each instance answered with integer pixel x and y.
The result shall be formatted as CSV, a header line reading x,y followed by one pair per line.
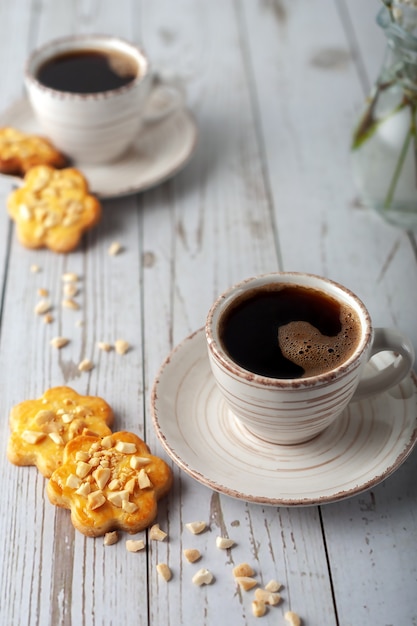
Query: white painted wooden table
x,y
275,87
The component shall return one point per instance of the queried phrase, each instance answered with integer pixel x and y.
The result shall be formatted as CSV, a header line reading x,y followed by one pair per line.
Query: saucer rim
x,y
6,118
258,499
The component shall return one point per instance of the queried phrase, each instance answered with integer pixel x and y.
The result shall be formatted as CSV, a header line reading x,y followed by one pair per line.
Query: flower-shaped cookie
x,y
109,483
41,428
53,208
21,151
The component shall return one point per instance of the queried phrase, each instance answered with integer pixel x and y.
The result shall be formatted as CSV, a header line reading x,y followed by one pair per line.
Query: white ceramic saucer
x,y
162,149
364,446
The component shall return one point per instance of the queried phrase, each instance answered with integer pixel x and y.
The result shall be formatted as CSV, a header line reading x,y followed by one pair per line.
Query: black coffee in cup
x,y
88,71
289,331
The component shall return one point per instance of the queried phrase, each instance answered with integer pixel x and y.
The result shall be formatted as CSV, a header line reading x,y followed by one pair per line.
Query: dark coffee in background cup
x,y
289,331
88,71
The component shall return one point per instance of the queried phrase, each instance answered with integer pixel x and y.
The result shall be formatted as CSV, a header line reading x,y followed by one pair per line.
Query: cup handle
x,y
165,97
392,340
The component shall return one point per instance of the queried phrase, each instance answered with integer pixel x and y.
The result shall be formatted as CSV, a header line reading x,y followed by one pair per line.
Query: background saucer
x,y
161,149
364,446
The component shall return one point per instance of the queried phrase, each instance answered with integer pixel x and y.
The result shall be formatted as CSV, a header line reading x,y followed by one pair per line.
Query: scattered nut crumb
x,y
273,586
43,292
69,303
59,342
115,248
70,289
246,582
164,571
121,346
103,345
267,597
258,608
111,538
192,554
85,366
243,569
224,543
69,277
196,527
134,545
35,268
202,577
293,618
156,533
79,323
47,318
43,307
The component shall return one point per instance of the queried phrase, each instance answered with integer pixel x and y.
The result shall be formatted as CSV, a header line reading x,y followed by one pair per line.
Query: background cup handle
x,y
392,340
165,97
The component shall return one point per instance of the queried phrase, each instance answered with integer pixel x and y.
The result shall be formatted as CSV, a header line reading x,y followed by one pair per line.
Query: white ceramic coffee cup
x,y
290,411
94,127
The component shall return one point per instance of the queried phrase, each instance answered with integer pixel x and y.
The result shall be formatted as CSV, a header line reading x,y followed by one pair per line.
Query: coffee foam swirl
x,y
302,344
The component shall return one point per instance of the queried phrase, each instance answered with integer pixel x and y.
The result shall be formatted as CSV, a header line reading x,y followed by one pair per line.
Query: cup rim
x,y
67,43
225,298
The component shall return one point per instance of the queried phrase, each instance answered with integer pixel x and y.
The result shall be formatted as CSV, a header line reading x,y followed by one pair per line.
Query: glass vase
x,y
384,146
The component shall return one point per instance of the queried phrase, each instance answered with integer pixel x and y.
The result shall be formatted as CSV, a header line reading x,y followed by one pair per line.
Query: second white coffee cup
x,y
92,127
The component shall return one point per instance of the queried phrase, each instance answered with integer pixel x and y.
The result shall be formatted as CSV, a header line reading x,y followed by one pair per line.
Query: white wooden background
x,y
275,86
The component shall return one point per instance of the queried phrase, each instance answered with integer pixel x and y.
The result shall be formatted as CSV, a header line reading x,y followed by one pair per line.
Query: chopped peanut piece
x,y
115,248
85,366
246,582
164,571
223,543
33,436
126,447
129,507
243,569
196,527
95,500
43,307
130,485
83,469
69,277
47,318
118,497
107,442
103,345
121,346
35,268
258,608
44,416
293,618
70,290
138,461
202,577
143,479
135,545
156,533
111,538
59,342
56,438
273,586
101,476
84,489
267,597
73,482
70,303
192,554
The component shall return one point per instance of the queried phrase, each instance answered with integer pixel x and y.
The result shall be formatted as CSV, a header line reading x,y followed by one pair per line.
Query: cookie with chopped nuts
x,y
109,483
19,152
53,208
41,428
